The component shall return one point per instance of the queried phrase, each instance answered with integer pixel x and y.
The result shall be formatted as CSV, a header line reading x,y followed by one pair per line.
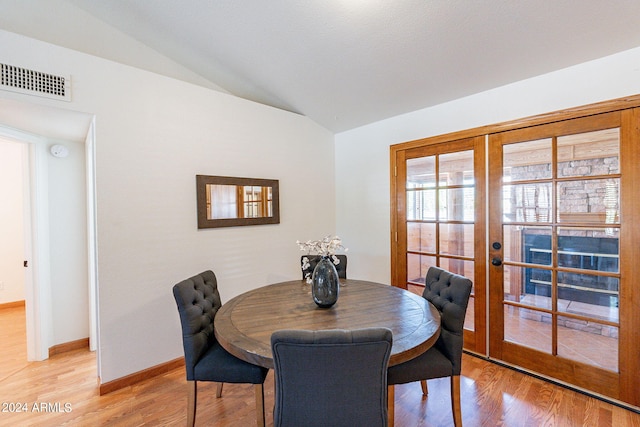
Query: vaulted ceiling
x,y
347,63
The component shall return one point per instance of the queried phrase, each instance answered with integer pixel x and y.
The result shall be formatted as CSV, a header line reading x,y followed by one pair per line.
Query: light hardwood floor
x,y
491,396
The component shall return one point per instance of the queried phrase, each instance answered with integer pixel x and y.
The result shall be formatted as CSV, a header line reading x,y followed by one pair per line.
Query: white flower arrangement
x,y
325,247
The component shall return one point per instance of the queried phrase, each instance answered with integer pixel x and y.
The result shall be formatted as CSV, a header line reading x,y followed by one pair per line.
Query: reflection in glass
x,y
527,202
587,342
421,172
512,283
589,201
421,237
530,328
589,154
529,160
421,205
224,201
589,248
528,286
527,244
456,239
587,260
440,215
561,225
257,201
589,295
457,204
458,266
456,168
417,266
221,201
238,201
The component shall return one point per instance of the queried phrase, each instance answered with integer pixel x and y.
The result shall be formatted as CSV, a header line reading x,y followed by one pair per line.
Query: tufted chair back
x,y
198,302
331,377
449,293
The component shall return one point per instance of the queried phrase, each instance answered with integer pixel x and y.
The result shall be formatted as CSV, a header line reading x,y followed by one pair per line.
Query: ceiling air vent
x,y
30,82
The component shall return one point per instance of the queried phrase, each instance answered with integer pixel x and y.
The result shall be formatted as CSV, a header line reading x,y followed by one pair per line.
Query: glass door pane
x,y
556,223
551,270
440,217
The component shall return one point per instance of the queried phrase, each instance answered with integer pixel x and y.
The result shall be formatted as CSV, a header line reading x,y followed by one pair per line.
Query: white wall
x,y
153,135
362,154
68,244
11,222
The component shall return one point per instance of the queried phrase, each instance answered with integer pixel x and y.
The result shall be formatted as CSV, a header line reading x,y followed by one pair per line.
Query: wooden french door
x,y
543,214
440,221
563,251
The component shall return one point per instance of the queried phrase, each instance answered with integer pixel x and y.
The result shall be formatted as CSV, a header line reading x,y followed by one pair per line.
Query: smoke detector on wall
x,y
59,151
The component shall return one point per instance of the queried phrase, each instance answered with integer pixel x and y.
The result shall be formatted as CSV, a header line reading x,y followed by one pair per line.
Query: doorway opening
x,y
60,279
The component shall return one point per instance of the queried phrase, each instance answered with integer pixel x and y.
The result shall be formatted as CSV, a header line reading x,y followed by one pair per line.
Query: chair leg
x,y
455,401
191,403
391,404
219,390
425,389
259,389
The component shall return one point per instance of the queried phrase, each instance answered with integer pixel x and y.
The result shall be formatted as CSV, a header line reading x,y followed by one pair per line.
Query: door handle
x,y
497,261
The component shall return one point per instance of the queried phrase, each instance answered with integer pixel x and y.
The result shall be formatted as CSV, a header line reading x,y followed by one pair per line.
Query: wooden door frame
x,y
629,385
474,341
629,364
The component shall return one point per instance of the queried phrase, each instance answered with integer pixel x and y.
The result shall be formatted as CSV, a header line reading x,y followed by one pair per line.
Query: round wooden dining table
x,y
243,326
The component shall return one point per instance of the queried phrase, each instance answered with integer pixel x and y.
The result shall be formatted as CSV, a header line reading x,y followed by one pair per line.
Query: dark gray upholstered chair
x,y
341,268
450,294
198,301
332,378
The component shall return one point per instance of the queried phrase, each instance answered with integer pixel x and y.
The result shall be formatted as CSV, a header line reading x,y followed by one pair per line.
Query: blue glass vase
x,y
325,285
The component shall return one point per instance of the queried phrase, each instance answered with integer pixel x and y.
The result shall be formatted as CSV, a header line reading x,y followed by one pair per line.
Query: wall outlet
x,y
1,286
